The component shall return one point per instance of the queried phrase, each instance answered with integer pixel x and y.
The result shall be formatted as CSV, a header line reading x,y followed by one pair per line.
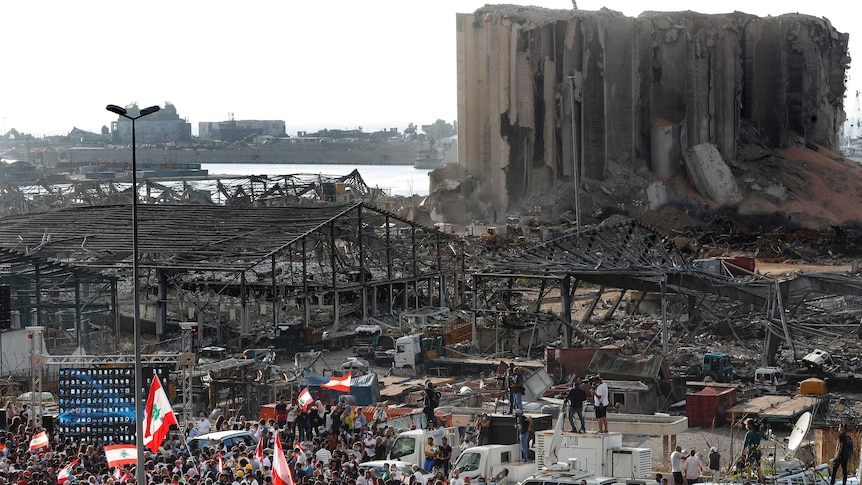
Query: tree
x,y
410,131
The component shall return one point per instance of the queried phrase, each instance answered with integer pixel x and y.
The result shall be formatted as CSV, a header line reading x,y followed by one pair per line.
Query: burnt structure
x,y
306,264
554,96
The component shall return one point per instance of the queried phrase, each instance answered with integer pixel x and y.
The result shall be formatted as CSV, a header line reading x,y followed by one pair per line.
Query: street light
x,y
140,473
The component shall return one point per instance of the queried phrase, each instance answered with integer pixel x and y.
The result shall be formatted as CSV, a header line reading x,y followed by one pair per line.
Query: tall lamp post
x,y
140,473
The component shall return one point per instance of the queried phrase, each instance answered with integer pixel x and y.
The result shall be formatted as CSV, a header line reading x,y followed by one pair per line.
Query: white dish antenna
x,y
800,429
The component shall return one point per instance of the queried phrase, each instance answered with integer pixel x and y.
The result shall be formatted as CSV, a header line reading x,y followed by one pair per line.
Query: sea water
x,y
394,179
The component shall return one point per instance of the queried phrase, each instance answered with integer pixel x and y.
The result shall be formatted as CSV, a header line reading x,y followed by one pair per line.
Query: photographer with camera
x,y
516,389
599,390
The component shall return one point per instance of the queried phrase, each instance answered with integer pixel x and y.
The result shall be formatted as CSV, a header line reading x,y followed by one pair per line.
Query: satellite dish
x,y
800,429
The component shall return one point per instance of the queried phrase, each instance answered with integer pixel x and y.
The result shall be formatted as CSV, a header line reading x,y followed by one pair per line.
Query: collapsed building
x,y
551,102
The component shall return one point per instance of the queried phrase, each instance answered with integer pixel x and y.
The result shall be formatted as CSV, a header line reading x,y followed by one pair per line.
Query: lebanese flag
x,y
159,415
301,450
67,471
120,475
305,399
258,452
281,474
339,383
220,463
119,455
39,440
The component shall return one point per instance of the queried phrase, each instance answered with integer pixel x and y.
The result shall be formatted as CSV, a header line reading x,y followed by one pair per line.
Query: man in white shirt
x,y
380,417
370,444
692,467
204,424
323,455
438,434
456,478
292,412
601,401
676,465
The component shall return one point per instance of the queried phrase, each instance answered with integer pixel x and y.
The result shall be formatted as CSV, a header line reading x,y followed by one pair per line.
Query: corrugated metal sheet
x,y
563,363
613,366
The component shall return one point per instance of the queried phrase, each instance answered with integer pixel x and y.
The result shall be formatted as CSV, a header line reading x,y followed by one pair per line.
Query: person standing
x,y
510,377
281,413
456,478
292,414
431,452
692,468
751,445
380,417
714,459
524,425
676,465
430,403
484,426
439,433
601,402
517,387
444,454
843,452
204,424
575,398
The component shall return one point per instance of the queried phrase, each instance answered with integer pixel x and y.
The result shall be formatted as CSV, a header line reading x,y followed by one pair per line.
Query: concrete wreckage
x,y
550,100
307,273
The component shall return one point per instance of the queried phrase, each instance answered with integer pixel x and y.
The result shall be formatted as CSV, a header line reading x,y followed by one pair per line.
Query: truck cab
x,y
769,380
819,363
488,460
717,367
365,340
410,445
408,352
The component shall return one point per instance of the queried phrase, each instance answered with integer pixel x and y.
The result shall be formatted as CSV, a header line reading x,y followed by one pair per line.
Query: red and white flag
x,y
281,474
220,463
305,399
258,452
339,383
39,440
119,455
121,475
66,471
159,416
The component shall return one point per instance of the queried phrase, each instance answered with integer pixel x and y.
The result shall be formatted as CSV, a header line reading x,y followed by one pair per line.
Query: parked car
x,y
403,466
229,438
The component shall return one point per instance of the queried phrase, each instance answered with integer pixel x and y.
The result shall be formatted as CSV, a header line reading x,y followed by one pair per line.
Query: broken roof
x,y
179,237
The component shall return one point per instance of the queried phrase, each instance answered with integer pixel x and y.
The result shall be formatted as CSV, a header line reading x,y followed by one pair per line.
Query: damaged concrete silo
x,y
543,93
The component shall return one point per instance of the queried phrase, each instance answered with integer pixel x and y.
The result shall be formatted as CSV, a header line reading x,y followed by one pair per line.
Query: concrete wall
x,y
542,93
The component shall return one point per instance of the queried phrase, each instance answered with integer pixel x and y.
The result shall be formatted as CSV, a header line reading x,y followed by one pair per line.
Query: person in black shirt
x,y
429,404
576,397
843,450
444,457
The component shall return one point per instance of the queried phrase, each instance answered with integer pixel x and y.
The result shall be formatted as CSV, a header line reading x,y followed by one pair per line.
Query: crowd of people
x,y
323,445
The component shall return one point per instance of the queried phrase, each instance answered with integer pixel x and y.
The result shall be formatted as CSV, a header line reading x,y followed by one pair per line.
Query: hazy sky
x,y
313,64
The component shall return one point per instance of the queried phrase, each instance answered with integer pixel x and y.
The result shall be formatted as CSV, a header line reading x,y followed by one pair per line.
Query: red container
x,y
706,409
739,265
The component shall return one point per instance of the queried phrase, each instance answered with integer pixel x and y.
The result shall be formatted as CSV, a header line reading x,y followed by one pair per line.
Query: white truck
x,y
408,352
488,460
410,445
770,380
601,455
